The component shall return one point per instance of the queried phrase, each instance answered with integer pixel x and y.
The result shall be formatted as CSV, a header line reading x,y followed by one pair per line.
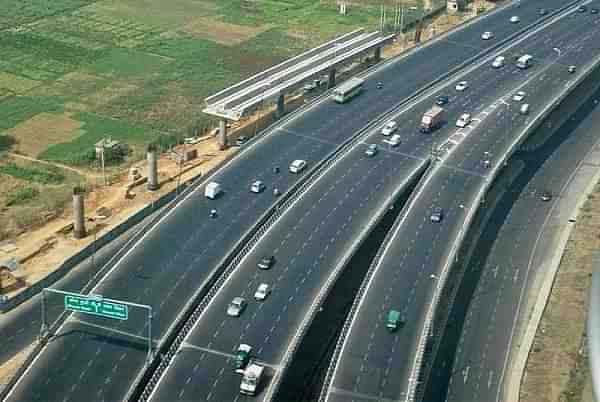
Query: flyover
x,y
177,259
305,239
533,231
409,272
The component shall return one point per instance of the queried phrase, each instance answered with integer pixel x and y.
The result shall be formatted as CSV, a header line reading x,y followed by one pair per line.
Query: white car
x,y
498,62
236,307
389,128
519,96
461,86
257,187
394,140
262,292
514,19
464,120
297,166
487,35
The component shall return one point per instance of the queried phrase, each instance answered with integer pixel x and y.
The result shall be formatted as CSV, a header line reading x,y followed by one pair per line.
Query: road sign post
x,y
97,305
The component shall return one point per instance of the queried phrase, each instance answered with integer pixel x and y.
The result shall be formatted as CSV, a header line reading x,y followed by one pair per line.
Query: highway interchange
x,y
177,257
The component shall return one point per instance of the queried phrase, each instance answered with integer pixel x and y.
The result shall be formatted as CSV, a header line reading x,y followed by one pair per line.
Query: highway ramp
x,y
372,362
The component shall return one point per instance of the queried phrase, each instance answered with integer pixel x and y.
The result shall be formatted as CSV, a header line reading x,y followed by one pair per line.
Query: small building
x,y
106,144
454,6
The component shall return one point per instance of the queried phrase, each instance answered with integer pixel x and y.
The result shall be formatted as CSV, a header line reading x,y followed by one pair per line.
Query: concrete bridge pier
x,y
331,82
152,183
78,214
280,106
377,54
222,136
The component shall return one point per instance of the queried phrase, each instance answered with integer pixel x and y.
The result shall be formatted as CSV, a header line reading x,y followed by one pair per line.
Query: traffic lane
x,y
371,362
552,176
152,269
306,251
93,342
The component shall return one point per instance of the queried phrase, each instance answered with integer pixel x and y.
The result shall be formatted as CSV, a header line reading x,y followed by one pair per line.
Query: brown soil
x,y
42,130
557,367
222,32
9,369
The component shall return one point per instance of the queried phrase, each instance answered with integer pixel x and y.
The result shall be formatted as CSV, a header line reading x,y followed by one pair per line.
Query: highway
x,y
203,366
373,363
175,258
490,320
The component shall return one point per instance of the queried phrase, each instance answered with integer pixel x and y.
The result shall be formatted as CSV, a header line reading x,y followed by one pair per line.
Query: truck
x,y
251,379
431,119
212,190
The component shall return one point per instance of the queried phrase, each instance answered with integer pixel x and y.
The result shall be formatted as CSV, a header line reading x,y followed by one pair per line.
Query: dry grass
x,y
557,367
42,130
15,83
222,32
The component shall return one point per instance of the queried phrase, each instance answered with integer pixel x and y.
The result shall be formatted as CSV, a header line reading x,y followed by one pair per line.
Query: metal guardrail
x,y
427,329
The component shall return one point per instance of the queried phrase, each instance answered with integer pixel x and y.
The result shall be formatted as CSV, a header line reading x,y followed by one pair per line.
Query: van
x,y
524,61
498,62
212,190
394,320
524,109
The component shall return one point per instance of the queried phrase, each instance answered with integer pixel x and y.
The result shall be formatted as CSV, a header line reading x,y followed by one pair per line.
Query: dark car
x,y
437,215
442,100
242,139
266,262
582,9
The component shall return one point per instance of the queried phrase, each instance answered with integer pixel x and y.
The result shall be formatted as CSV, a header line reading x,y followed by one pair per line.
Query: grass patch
x,y
17,109
48,175
16,12
21,195
127,63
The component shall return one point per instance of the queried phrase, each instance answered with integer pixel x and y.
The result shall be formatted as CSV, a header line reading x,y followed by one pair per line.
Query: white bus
x,y
348,90
524,61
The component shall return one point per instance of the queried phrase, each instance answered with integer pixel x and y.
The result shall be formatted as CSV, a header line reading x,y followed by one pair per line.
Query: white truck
x,y
251,379
212,190
431,119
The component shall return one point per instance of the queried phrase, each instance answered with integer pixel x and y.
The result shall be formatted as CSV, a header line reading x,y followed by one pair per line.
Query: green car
x,y
242,357
394,320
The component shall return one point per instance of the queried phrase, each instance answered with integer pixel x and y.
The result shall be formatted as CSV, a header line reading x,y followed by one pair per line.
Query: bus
x,y
348,90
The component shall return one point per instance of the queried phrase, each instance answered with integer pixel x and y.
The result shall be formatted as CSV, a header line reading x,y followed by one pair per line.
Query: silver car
x,y
236,307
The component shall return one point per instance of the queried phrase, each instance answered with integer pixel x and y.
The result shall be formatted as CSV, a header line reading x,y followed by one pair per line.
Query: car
x,y
487,35
572,69
524,109
519,96
242,357
461,86
266,262
545,196
464,120
257,187
241,140
437,215
236,307
372,150
389,128
394,320
393,141
593,11
309,86
515,19
543,11
379,85
582,9
486,163
442,100
498,62
213,213
297,166
262,292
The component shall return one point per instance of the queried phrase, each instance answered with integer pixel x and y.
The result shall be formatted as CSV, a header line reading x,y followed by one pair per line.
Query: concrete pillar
x,y
152,159
78,215
280,106
222,137
377,54
331,82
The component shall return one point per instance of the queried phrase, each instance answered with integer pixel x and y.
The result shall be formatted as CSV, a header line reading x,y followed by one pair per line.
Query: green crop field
x,y
74,71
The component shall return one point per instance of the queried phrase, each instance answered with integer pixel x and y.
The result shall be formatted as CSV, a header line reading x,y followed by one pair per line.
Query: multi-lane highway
x,y
374,363
509,269
174,259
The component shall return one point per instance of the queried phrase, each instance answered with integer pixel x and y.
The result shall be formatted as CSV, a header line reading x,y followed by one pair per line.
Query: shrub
x,y
21,195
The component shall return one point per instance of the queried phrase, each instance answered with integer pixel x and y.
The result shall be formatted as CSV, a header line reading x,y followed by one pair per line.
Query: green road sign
x,y
97,306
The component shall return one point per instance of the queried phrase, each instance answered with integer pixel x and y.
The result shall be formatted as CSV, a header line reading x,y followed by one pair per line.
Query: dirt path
x,y
84,173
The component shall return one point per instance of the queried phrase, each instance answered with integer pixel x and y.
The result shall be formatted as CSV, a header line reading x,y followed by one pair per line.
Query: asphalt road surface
x,y
93,357
375,363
